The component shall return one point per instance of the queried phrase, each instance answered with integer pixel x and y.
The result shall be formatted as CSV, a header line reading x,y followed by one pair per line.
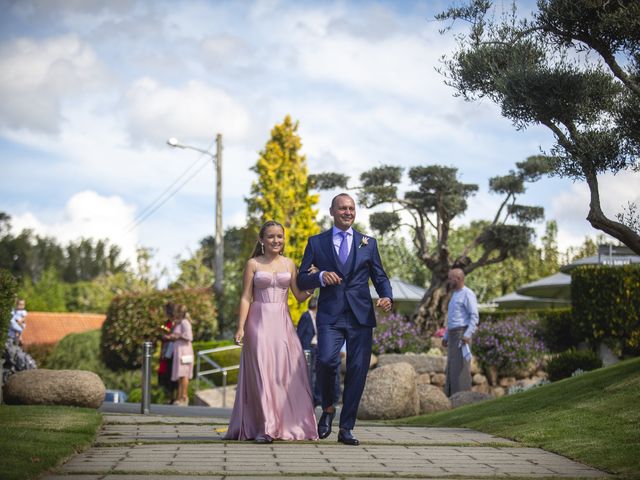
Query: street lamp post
x,y
219,244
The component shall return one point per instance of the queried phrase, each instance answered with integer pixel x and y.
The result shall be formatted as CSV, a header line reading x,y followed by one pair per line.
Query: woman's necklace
x,y
274,264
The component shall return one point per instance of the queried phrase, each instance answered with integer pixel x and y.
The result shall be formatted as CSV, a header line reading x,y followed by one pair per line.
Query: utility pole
x,y
218,285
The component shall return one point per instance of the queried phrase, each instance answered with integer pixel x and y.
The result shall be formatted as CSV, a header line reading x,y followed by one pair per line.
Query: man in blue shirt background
x,y
462,321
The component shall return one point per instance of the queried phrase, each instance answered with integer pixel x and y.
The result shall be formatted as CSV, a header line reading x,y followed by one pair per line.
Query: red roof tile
x,y
46,328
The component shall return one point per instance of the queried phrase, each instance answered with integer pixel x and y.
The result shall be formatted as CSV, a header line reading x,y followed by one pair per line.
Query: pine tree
x,y
281,193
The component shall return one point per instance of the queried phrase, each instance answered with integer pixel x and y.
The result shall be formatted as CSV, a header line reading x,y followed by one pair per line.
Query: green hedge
x,y
8,287
606,304
81,351
135,318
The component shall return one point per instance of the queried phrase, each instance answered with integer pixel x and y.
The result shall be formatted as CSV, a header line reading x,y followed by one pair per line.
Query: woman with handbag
x,y
182,370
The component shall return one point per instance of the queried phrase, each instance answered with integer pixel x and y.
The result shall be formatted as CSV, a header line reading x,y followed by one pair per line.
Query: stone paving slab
x,y
131,447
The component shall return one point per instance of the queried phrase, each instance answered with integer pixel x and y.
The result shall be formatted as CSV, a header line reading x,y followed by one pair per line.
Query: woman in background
x,y
182,369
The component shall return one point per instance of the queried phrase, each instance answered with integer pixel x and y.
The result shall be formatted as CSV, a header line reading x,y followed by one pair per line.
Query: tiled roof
x,y
45,327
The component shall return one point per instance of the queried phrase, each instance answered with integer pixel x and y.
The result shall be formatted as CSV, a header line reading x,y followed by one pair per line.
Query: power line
x,y
168,193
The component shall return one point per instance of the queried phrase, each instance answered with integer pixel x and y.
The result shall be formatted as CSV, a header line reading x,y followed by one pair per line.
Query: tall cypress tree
x,y
281,193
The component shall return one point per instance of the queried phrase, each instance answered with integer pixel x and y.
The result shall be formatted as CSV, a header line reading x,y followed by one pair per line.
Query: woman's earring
x,y
262,247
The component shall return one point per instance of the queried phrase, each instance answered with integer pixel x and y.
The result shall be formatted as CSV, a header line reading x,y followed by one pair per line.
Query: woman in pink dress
x,y
182,368
273,397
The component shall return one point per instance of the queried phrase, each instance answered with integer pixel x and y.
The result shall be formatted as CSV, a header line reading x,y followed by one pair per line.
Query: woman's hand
x,y
313,269
239,336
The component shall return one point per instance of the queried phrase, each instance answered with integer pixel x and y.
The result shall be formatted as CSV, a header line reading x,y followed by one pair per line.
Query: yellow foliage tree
x,y
281,193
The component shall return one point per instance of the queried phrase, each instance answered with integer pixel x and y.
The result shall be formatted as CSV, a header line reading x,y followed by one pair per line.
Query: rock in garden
x,y
479,379
438,379
421,363
484,388
76,388
432,399
424,378
498,391
465,398
390,392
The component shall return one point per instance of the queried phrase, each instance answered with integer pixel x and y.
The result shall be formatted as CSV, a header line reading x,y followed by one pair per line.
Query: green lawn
x,y
34,439
593,418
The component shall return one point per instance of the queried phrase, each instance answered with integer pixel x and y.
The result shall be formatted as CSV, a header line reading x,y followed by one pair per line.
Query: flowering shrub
x,y
396,334
508,345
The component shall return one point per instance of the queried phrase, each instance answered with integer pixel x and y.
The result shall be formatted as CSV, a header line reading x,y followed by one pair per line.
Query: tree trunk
x,y
431,314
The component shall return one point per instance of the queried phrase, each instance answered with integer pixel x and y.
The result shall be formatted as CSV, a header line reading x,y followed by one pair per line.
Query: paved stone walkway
x,y
132,447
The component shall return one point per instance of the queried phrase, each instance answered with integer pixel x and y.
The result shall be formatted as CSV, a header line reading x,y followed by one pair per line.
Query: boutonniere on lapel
x,y
364,242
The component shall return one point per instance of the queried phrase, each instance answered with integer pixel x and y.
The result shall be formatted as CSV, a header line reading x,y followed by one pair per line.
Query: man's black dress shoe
x,y
345,436
324,424
263,439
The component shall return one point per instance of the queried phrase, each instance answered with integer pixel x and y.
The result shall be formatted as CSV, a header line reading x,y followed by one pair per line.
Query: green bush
x,y
81,351
606,304
556,329
8,287
135,318
566,363
226,358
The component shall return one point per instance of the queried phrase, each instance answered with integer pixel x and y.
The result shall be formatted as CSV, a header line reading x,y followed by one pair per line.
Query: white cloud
x,y
87,214
36,76
570,207
195,111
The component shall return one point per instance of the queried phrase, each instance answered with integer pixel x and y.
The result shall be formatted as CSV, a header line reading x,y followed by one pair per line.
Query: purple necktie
x,y
343,252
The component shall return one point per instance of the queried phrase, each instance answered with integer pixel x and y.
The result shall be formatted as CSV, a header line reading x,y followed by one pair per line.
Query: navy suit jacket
x,y
305,330
354,289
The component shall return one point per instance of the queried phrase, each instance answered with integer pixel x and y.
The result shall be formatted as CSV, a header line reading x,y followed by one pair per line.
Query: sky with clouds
x,y
91,90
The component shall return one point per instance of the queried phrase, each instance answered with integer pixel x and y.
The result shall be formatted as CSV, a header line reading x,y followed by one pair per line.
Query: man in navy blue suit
x,y
308,335
345,260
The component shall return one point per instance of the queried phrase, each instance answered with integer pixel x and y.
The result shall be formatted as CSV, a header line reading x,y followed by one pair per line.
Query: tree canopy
x,y
573,67
281,193
427,210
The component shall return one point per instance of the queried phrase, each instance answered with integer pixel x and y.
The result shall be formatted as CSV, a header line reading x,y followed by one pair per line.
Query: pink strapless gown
x,y
273,395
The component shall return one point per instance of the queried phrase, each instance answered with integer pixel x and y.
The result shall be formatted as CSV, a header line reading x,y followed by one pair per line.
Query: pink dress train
x,y
273,396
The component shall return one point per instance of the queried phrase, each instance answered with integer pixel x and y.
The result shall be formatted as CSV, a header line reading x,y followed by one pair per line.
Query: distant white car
x,y
115,396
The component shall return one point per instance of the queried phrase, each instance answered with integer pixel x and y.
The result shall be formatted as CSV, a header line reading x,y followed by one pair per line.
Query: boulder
x,y
479,379
506,382
424,378
465,398
390,392
77,388
421,363
438,379
484,388
432,398
498,391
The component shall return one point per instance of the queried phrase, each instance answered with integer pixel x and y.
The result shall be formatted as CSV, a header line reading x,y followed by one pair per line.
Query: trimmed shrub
x,y
566,363
557,331
8,288
81,351
509,345
396,334
606,304
135,318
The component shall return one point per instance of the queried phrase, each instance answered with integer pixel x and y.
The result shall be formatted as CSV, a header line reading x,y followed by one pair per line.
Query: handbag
x,y
186,359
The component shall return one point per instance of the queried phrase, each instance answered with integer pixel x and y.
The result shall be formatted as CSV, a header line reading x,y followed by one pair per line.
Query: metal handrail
x,y
203,355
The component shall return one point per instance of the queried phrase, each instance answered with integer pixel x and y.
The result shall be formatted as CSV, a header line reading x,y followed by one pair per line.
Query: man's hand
x,y
331,278
385,304
466,340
